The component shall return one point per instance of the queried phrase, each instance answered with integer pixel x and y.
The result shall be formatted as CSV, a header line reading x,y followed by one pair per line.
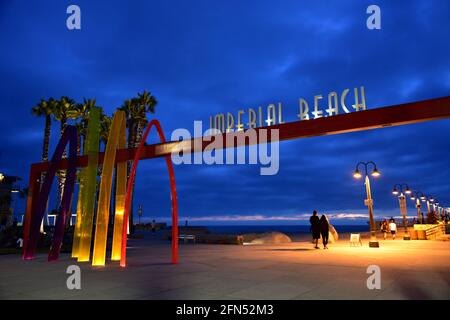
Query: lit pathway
x,y
409,269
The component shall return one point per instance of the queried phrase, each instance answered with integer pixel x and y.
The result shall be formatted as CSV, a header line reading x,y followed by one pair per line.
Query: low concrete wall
x,y
429,231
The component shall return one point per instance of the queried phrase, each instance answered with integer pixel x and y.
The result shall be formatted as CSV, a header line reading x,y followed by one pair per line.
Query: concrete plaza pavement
x,y
409,270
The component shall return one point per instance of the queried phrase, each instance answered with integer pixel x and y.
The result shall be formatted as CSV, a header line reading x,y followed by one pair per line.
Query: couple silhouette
x,y
319,227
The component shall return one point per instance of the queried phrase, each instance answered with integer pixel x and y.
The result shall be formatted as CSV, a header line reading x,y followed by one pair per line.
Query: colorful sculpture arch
x,y
38,196
35,213
81,246
173,194
116,140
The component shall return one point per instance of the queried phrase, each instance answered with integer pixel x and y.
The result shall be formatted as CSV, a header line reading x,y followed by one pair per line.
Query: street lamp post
x,y
402,201
373,243
436,203
417,196
430,201
437,210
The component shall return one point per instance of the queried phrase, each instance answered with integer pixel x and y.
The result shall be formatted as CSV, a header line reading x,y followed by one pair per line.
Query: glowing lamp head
x,y
376,173
357,174
395,191
408,190
1,177
413,198
431,199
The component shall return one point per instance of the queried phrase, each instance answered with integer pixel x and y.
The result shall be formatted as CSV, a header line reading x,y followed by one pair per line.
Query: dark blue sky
x,y
205,57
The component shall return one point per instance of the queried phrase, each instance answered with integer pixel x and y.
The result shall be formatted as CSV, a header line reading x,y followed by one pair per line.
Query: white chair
x,y
355,240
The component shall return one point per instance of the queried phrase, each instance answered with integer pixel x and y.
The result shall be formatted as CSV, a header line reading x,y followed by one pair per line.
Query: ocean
x,y
288,229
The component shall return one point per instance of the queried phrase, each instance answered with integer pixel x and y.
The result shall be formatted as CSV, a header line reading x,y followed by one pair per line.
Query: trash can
x,y
421,235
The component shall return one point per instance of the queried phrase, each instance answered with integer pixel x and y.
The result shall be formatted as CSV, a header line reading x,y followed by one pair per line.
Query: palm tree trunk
x,y
78,143
137,142
83,142
62,173
48,124
130,143
139,133
132,135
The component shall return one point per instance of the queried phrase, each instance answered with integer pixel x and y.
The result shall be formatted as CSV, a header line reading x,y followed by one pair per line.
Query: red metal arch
x,y
173,194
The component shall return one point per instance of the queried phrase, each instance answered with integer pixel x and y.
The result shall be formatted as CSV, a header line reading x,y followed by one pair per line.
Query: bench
x,y
187,237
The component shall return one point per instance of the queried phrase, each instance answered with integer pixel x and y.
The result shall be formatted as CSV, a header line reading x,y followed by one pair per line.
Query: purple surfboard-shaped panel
x,y
69,136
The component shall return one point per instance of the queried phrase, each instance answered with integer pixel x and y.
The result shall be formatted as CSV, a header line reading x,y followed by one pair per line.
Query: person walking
x,y
324,230
384,228
393,228
315,228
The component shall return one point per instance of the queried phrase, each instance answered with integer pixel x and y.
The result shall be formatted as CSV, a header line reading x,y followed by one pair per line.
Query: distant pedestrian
x,y
384,228
324,230
393,228
315,228
153,225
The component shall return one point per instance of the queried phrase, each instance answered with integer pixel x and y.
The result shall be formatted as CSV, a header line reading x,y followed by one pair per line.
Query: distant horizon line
x,y
303,219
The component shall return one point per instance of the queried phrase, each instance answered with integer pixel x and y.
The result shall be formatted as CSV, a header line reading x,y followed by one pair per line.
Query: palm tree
x,y
146,102
131,114
136,114
105,126
82,112
45,109
65,109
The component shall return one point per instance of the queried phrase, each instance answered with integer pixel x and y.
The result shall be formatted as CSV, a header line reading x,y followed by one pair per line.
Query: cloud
x,y
202,58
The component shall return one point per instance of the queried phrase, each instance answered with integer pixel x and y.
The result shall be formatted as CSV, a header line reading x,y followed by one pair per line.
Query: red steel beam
x,y
408,113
